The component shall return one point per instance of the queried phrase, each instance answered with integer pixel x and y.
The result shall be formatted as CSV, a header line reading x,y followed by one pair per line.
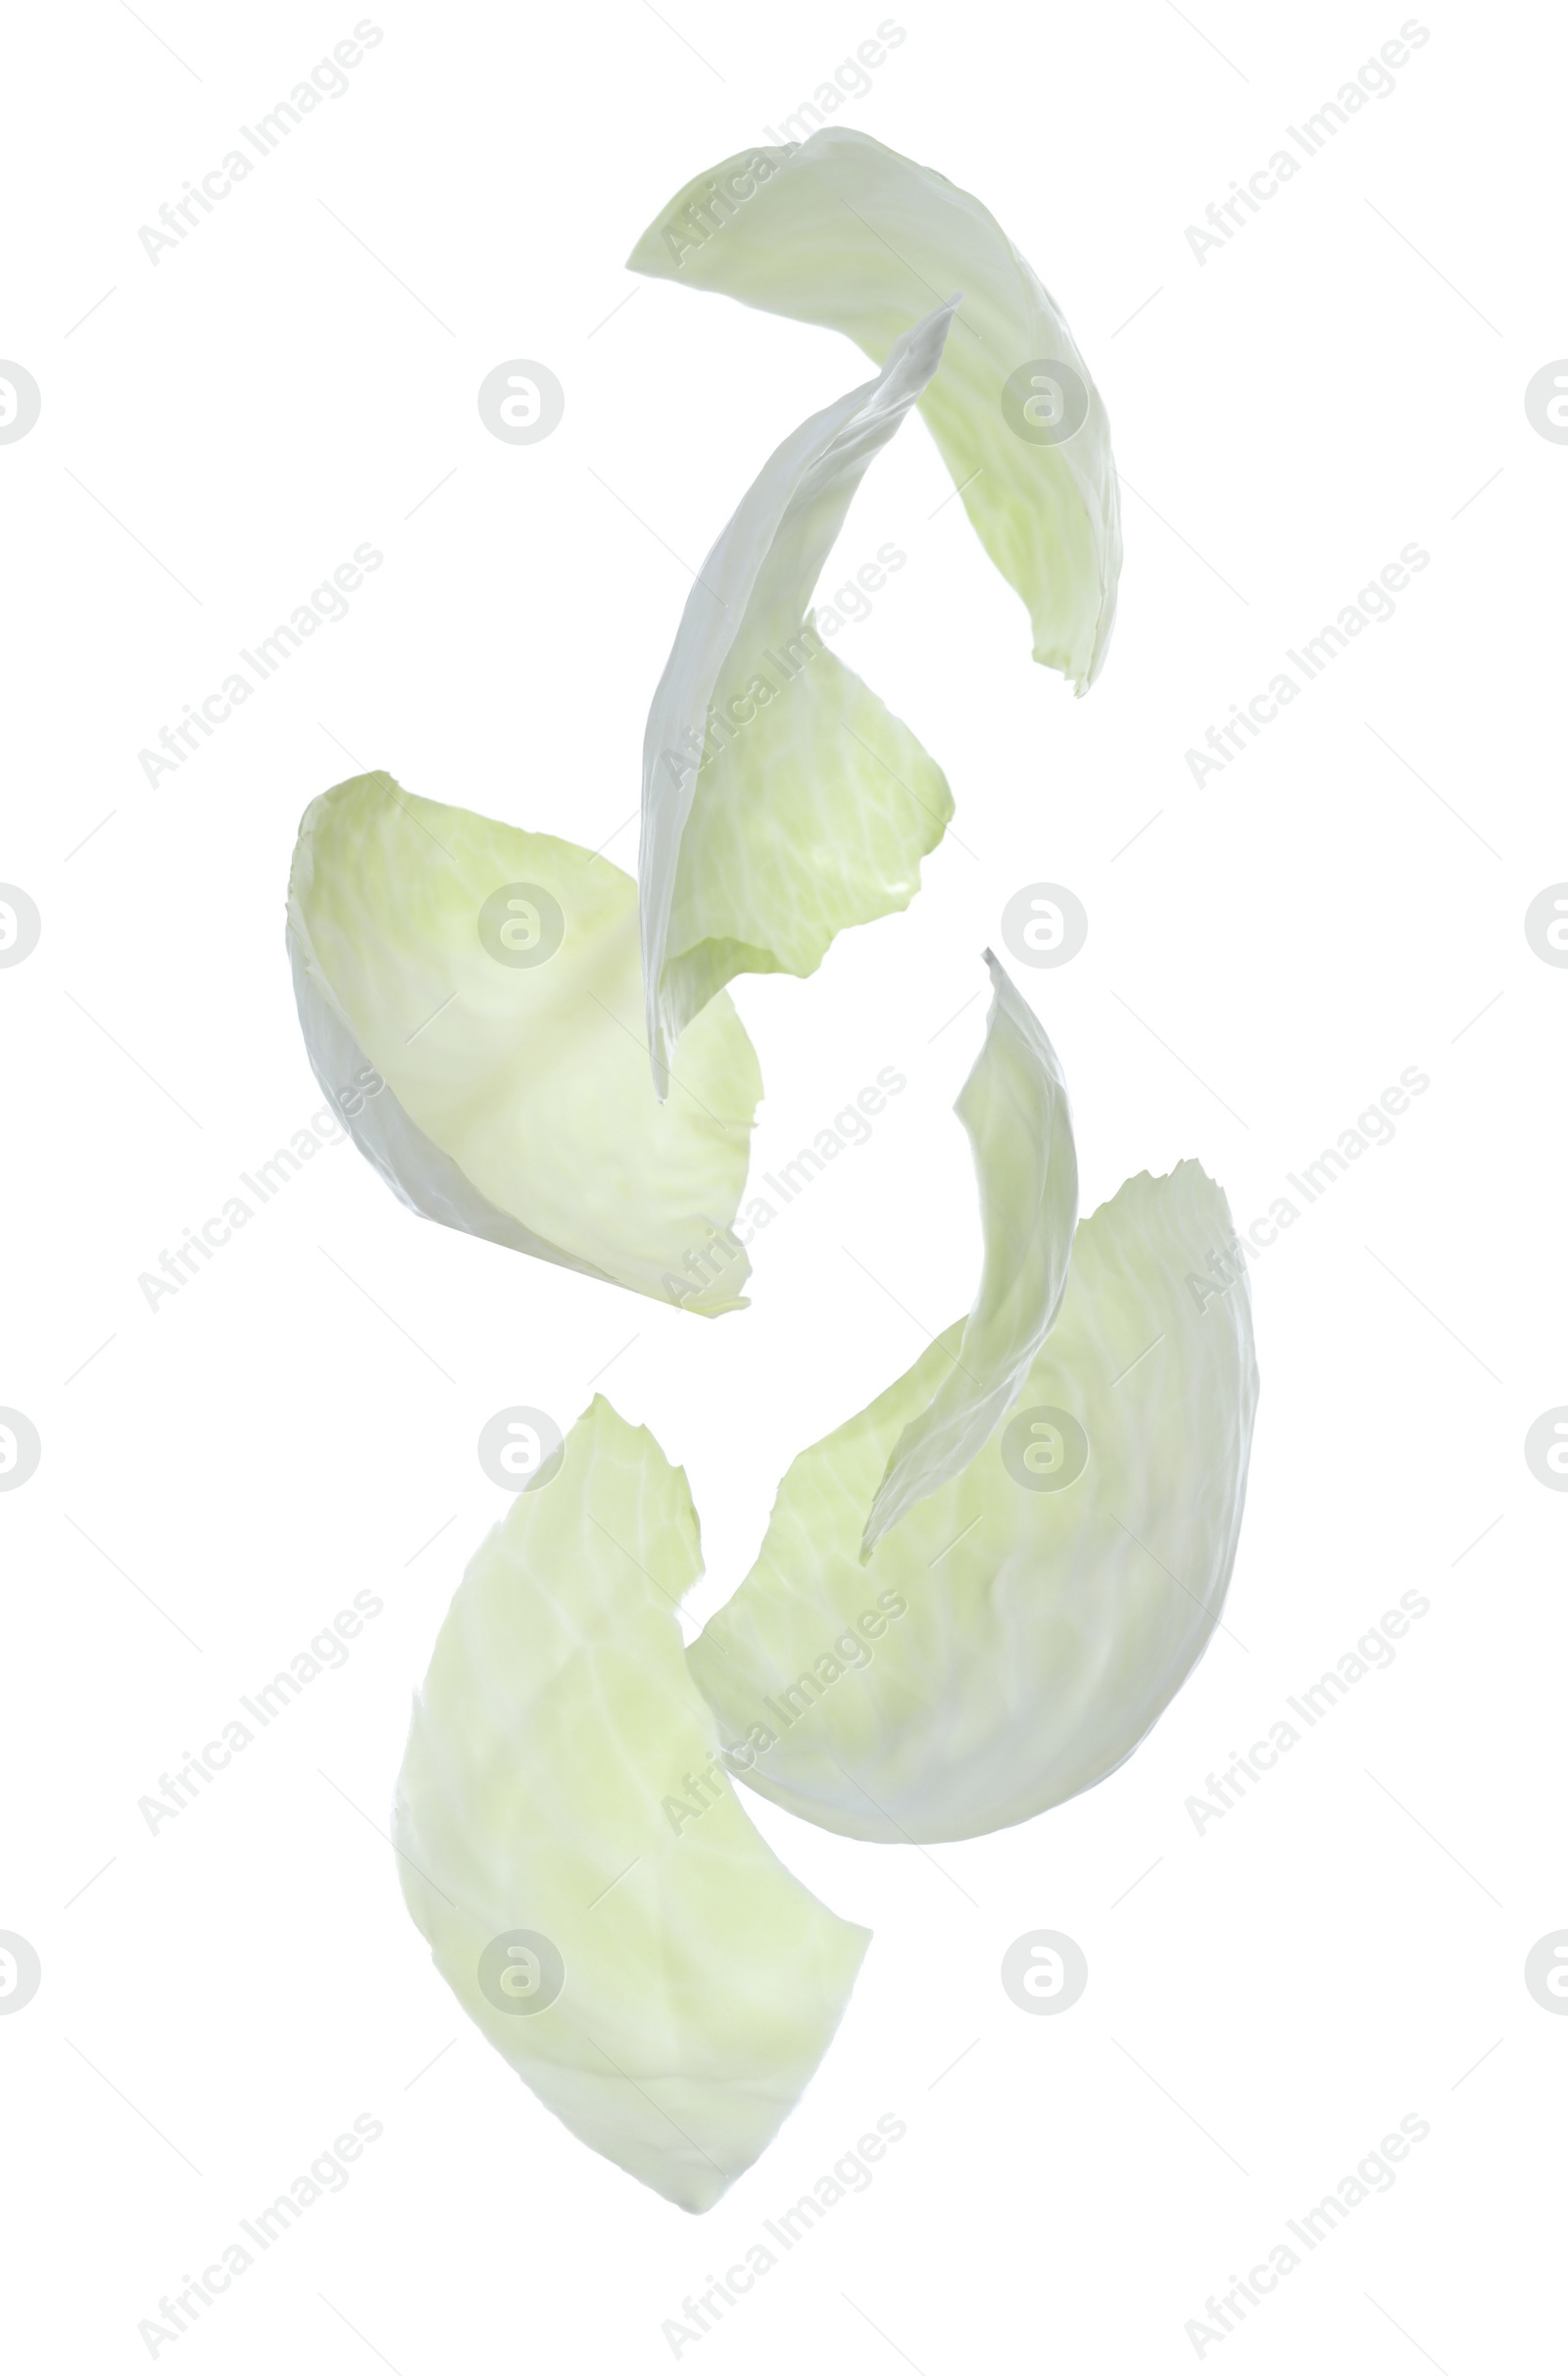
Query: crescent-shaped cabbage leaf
x,y
471,997
1013,1638
842,232
782,800
661,1982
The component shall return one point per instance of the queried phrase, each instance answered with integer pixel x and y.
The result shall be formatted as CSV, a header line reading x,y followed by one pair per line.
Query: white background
x,y
1344,901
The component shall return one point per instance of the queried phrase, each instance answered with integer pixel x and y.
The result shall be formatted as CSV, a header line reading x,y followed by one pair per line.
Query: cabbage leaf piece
x,y
781,799
1044,1606
656,1977
471,1000
1015,1108
842,232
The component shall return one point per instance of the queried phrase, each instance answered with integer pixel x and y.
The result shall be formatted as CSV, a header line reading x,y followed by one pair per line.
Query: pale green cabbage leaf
x,y
513,1097
1015,1108
1035,1633
842,232
782,800
557,1732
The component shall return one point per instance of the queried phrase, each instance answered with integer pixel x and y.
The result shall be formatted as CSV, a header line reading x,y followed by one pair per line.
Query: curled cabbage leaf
x,y
781,799
471,1002
1016,1634
842,232
1015,1108
593,1891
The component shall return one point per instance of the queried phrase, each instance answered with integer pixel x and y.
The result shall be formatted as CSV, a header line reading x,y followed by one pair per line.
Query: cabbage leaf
x,y
842,232
781,799
471,1000
1015,1636
1015,1108
593,1891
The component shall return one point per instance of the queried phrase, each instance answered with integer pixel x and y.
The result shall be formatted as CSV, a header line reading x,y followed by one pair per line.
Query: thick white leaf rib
x,y
548,1788
842,232
781,800
1015,1108
513,1100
